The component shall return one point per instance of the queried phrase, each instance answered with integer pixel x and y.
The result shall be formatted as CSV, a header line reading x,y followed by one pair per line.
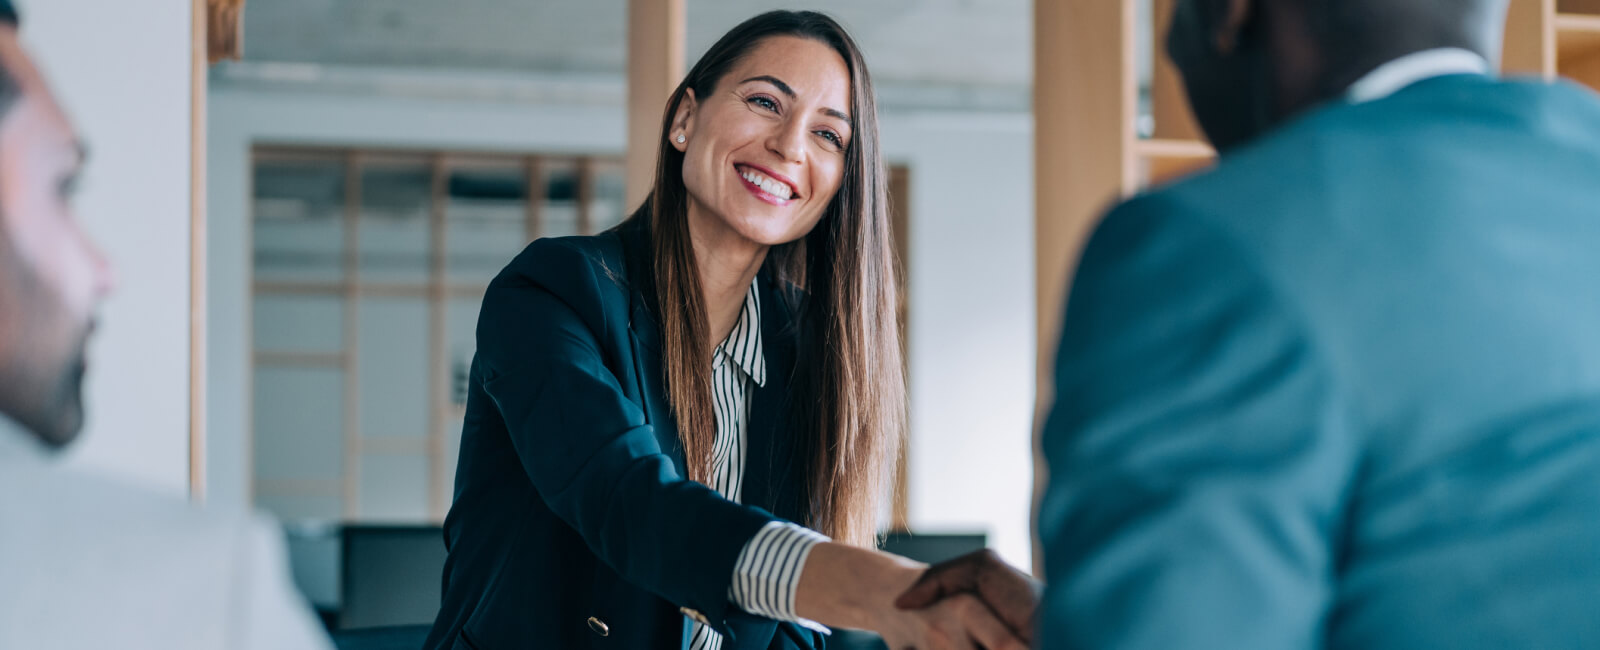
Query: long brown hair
x,y
848,396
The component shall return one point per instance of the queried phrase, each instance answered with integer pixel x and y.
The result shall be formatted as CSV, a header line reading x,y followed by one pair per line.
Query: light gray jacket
x,y
87,562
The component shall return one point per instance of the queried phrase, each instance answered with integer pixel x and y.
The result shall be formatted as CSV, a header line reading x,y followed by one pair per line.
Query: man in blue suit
x,y
1343,389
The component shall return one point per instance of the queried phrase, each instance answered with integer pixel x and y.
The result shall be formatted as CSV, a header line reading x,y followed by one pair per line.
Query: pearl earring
x,y
680,138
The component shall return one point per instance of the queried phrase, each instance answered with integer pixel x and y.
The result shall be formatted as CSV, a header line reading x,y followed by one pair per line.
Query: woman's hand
x,y
1012,594
956,623
845,586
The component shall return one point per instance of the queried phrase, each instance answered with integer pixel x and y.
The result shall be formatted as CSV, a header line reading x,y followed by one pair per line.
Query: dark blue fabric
x,y
571,500
1342,391
400,637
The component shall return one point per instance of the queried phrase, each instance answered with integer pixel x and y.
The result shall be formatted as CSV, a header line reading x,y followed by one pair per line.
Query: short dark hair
x,y
9,90
1358,25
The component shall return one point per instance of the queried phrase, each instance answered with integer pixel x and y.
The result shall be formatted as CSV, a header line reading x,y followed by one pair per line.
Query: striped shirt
x,y
769,565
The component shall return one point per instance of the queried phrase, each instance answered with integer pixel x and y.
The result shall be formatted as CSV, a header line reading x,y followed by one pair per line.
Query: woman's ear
x,y
683,121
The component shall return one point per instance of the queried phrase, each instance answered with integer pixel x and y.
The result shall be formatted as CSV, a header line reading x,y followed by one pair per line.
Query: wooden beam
x,y
198,59
1084,104
1578,6
350,341
1584,70
225,21
1085,99
1577,37
655,68
1530,39
280,358
366,290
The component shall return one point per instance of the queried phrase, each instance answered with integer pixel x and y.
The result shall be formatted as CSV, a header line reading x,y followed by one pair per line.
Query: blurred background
x,y
305,228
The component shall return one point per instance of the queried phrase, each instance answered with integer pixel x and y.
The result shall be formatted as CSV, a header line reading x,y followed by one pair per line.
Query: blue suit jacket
x,y
1343,390
571,500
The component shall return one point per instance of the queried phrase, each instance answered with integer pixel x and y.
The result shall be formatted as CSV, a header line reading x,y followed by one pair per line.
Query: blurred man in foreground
x,y
1342,390
86,562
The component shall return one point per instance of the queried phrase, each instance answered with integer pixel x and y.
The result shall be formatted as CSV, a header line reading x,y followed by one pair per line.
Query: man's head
x,y
51,276
1250,64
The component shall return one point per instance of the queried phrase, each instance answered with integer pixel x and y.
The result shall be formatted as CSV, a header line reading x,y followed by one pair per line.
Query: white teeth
x,y
768,185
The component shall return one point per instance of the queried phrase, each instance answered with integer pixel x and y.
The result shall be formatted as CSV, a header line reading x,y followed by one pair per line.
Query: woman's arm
x,y
846,586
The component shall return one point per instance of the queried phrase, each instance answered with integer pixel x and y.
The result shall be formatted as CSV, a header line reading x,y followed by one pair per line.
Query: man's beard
x,y
64,408
41,380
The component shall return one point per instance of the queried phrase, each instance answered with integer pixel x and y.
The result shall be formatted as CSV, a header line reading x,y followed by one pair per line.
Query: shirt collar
x,y
1391,77
743,345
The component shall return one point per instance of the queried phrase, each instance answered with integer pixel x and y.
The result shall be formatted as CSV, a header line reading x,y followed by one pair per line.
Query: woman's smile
x,y
767,185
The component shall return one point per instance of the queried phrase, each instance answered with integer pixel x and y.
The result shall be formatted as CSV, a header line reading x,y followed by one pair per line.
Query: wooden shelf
x,y
1179,149
1577,36
1164,160
300,359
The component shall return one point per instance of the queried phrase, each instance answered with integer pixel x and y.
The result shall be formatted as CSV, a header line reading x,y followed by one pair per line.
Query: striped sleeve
x,y
768,572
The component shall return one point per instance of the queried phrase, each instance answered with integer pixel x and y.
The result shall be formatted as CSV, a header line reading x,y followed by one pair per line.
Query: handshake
x,y
974,601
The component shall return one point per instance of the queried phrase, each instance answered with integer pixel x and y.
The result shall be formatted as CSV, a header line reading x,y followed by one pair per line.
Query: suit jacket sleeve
x,y
587,448
1198,459
268,612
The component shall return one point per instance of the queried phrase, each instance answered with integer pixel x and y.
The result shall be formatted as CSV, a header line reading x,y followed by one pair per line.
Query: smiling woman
x,y
765,151
668,423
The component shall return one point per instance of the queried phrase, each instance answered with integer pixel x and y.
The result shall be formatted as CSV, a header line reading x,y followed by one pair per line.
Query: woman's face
x,y
764,153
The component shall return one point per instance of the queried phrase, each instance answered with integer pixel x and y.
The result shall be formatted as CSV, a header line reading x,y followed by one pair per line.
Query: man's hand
x,y
1012,594
846,586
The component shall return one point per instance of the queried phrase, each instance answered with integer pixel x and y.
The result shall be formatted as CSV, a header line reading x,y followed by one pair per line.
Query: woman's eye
x,y
832,137
765,102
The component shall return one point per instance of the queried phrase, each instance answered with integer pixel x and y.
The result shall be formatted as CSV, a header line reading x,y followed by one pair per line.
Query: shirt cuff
x,y
768,571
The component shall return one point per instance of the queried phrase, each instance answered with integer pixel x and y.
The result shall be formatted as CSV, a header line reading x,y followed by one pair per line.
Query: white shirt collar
x,y
1395,75
743,345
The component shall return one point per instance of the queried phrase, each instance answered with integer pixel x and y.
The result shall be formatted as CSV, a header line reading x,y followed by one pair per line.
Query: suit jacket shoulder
x,y
588,273
94,562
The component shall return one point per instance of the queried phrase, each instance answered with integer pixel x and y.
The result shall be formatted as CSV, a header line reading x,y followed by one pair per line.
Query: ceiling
x,y
920,51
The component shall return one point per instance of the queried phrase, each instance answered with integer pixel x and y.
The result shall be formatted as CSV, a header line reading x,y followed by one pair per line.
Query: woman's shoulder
x,y
583,271
602,253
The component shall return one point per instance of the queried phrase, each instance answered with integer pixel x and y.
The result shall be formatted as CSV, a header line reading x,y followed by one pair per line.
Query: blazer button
x,y
599,626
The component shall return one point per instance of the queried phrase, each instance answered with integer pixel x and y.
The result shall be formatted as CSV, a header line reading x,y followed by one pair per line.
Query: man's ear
x,y
1208,29
1228,21
683,121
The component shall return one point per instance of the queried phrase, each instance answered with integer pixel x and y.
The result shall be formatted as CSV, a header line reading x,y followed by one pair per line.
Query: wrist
x,y
845,586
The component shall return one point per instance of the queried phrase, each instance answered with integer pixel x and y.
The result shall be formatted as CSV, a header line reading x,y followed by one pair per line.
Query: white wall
x,y
971,322
971,326
122,71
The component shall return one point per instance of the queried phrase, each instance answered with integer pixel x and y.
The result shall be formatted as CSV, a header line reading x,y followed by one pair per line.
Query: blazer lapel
x,y
646,334
652,385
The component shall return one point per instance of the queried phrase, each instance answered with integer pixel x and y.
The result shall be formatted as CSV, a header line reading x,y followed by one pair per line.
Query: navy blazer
x,y
573,524
1342,390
